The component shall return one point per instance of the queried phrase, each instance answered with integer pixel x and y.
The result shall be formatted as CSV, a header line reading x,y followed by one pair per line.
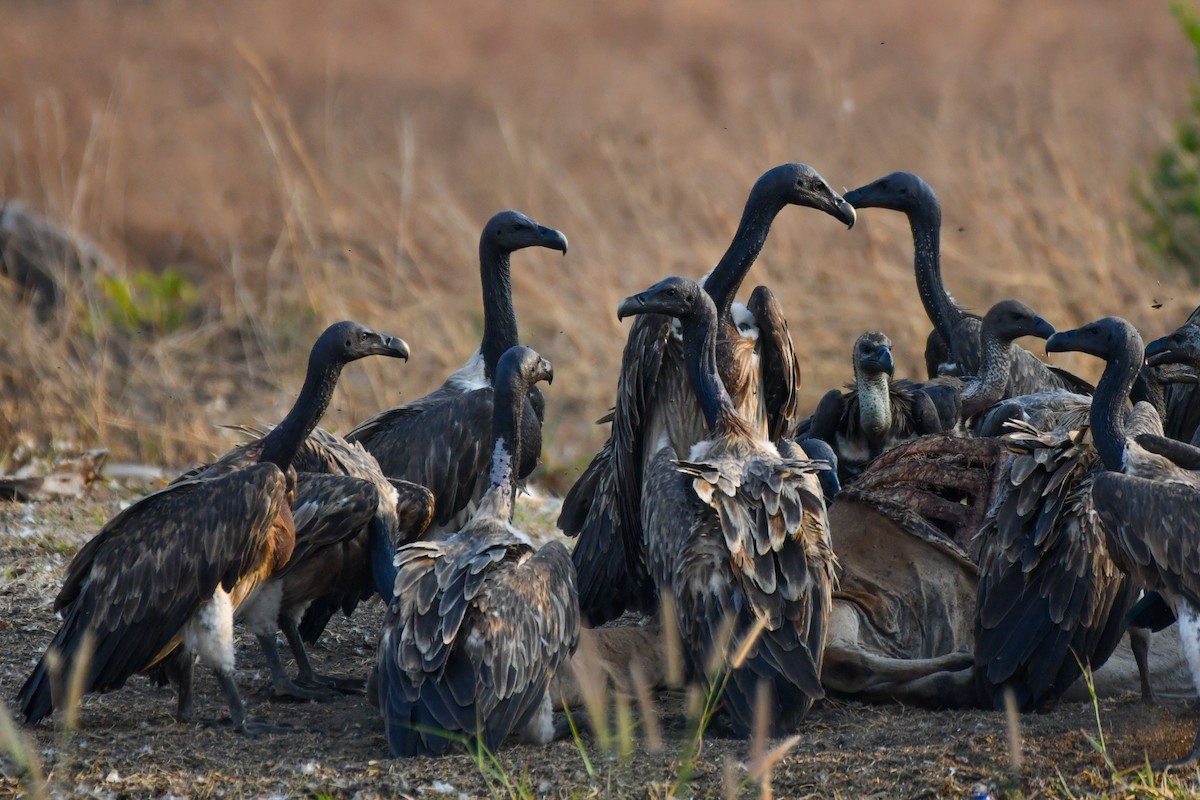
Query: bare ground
x,y
128,744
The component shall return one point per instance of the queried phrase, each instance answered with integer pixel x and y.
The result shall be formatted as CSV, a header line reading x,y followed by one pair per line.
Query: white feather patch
x,y
746,324
470,376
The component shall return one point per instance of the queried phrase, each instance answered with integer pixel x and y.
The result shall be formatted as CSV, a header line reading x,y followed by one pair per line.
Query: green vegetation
x,y
145,300
1170,194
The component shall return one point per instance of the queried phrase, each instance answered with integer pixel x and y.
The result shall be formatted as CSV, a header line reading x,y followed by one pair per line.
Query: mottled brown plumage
x,y
757,365
1050,594
479,621
168,573
737,535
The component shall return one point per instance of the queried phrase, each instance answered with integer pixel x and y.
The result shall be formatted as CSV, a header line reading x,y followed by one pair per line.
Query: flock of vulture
x,y
708,501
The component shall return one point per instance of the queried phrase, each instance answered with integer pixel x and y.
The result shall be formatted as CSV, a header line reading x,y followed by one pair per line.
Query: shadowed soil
x,y
128,744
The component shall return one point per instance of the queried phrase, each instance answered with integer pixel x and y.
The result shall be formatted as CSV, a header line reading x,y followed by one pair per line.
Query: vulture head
x,y
676,297
1105,338
800,185
348,341
899,191
512,230
1012,319
873,354
1180,347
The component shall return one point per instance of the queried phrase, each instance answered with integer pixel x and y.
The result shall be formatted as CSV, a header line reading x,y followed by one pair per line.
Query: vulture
x,y
442,441
876,414
1051,595
1149,520
1182,346
955,345
737,534
757,366
479,621
341,494
169,572
898,410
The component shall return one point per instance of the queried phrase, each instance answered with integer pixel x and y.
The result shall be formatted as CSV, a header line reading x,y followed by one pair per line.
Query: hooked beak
x,y
392,346
630,306
548,371
1060,342
555,240
844,211
1042,329
1159,351
880,361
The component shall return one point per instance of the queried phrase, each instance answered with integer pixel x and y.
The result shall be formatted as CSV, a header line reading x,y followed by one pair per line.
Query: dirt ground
x,y
128,744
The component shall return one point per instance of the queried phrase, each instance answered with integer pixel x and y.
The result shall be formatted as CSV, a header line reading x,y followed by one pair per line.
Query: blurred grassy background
x,y
295,162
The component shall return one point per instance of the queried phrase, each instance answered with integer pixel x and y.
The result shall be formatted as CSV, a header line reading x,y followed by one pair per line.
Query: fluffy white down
x,y
540,729
470,376
260,612
746,324
1189,634
209,632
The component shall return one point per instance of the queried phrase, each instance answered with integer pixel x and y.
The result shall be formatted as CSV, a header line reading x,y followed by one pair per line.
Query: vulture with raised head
x,y
169,572
737,534
654,400
955,345
1051,596
443,440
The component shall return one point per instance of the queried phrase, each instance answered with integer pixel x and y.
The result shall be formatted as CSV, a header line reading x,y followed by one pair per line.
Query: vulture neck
x,y
874,403
499,318
986,389
925,219
1110,405
282,443
700,355
509,406
1149,388
726,278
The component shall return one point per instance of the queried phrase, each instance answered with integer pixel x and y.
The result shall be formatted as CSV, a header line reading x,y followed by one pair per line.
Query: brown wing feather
x,y
1151,528
780,371
1050,596
147,571
746,538
477,627
602,509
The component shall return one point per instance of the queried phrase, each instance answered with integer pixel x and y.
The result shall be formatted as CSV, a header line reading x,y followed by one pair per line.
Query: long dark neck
x,y
499,318
987,388
925,219
1149,388
726,278
700,355
1110,406
282,443
508,408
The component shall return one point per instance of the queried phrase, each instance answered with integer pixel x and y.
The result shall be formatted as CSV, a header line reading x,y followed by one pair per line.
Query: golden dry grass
x,y
305,161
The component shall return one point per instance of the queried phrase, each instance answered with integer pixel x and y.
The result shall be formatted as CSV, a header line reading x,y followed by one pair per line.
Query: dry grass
x,y
303,162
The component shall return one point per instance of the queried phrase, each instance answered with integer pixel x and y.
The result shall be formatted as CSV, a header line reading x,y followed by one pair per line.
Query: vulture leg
x,y
238,721
1139,643
305,675
185,711
282,686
